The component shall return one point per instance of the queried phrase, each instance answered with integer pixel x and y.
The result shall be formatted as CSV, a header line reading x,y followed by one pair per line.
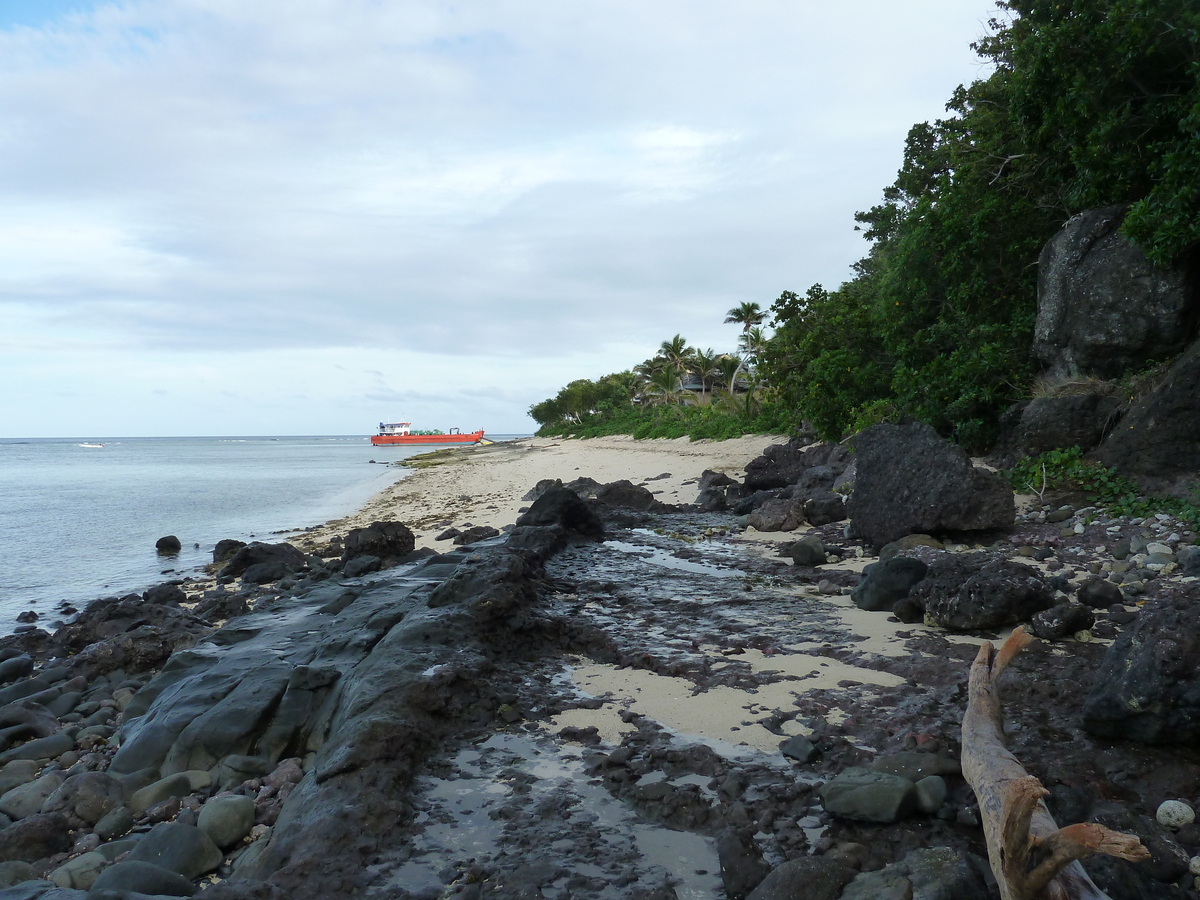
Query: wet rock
x,y
114,823
1103,306
223,606
911,481
626,495
477,533
15,667
389,541
777,515
798,748
258,553
225,549
362,565
79,873
742,865
977,592
805,878
183,849
1148,687
808,551
887,582
35,837
168,545
867,796
144,878
1158,441
1061,621
824,508
88,796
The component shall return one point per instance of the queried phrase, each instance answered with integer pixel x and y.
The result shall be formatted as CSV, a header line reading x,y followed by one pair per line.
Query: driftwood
x,y
1032,858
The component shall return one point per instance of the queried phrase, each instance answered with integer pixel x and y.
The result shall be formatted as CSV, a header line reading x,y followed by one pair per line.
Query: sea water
x,y
79,518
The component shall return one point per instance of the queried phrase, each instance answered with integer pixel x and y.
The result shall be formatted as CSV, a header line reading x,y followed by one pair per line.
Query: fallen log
x,y
1032,858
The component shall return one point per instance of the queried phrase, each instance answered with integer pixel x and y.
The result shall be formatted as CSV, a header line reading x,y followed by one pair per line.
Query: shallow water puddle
x,y
667,561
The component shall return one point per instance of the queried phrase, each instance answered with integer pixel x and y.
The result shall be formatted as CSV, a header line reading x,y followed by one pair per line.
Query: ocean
x,y
79,517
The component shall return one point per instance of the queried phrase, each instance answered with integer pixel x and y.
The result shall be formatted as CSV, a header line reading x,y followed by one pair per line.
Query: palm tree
x,y
728,367
747,315
752,342
677,353
664,387
704,366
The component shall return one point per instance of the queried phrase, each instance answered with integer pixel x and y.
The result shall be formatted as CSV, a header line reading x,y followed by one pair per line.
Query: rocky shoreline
x,y
612,697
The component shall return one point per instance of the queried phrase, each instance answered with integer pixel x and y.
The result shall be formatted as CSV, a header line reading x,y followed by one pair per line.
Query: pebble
x,y
1174,814
1194,865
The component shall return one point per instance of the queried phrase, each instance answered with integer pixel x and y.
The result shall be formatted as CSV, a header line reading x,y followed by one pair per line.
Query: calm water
x,y
79,522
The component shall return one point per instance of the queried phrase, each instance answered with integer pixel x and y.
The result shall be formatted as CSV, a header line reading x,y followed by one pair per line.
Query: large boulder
x,y
258,553
783,464
977,592
390,541
626,495
887,582
1148,688
1158,441
777,515
1103,307
910,480
561,507
1048,423
804,878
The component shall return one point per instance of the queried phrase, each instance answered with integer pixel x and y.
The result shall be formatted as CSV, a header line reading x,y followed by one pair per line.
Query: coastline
x,y
483,485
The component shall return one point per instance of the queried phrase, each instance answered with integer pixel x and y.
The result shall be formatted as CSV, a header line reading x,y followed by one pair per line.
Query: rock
x,y
867,796
805,878
144,878
1148,687
562,507
114,824
909,542
449,533
808,551
915,766
911,481
49,747
937,873
712,499
1049,423
168,545
1061,621
89,796
266,572
184,849
1189,560
777,515
165,593
742,863
977,592
886,583
225,549
1158,442
477,533
227,818
798,748
15,667
14,872
79,873
362,565
178,785
1103,307
931,794
886,884
824,509
584,488
540,488
782,464
223,606
28,798
387,540
35,837
711,479
1174,814
1098,593
626,495
257,553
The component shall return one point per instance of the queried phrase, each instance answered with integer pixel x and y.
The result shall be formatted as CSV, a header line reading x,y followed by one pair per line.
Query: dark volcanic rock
x,y
804,878
1048,423
1061,621
866,796
562,507
1148,688
388,540
742,863
257,553
825,508
1099,593
1103,307
711,479
103,619
777,515
221,606
477,533
35,837
1158,441
976,592
910,480
808,551
886,583
168,545
226,548
783,464
165,593
143,878
712,499
626,495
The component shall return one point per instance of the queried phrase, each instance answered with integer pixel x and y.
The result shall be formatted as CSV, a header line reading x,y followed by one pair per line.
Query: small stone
x,y
1194,865
798,748
931,794
1174,814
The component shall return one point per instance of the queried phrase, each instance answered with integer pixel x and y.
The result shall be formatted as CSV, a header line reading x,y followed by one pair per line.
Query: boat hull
x,y
473,438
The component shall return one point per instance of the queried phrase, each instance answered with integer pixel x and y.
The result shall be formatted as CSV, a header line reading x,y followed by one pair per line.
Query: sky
x,y
310,216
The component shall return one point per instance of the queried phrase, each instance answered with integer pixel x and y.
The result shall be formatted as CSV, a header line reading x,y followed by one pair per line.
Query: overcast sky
x,y
307,216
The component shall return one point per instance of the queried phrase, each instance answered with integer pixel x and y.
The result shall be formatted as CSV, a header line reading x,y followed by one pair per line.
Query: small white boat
x,y
91,445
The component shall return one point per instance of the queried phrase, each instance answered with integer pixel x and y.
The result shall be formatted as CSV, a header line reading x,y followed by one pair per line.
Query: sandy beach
x,y
483,485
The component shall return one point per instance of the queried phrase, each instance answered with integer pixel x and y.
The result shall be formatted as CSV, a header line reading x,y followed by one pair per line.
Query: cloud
x,y
534,182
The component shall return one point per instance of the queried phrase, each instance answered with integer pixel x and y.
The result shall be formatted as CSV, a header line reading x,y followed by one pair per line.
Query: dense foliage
x,y
1090,104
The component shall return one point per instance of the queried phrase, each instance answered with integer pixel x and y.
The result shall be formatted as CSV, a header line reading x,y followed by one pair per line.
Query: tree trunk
x,y
1032,858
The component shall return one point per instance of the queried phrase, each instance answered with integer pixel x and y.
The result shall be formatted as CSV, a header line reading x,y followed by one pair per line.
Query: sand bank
x,y
483,485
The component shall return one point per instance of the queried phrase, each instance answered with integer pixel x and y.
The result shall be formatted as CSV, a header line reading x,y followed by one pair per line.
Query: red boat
x,y
400,433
